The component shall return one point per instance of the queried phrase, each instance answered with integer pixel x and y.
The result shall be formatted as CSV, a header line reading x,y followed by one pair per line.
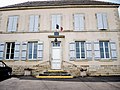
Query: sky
x,y
10,2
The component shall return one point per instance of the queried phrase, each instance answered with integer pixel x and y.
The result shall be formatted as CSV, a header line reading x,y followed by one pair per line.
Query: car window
x,y
2,64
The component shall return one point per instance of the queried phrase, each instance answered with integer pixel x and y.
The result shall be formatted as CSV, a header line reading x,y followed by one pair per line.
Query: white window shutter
x,y
72,51
36,23
2,46
15,21
40,51
10,24
17,51
76,22
59,21
96,50
54,22
104,16
99,21
89,50
113,50
24,50
81,22
31,23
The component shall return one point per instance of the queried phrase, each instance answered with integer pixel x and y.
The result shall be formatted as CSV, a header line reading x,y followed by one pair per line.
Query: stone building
x,y
61,35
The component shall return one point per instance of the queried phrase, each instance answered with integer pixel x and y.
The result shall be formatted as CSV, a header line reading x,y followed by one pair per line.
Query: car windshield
x,y
2,64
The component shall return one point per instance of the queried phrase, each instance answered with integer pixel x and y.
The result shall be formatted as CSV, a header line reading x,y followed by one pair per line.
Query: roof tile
x,y
59,3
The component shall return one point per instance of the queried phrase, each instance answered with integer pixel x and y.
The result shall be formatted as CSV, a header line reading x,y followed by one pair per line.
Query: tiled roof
x,y
59,3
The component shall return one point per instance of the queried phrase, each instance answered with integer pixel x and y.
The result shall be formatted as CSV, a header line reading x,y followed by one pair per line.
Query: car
x,y
5,70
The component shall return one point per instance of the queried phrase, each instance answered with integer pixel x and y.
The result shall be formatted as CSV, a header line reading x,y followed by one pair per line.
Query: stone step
x,y
54,74
56,71
65,77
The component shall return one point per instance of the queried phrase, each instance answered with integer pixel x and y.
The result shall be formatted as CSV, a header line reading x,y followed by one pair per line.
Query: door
x,y
56,56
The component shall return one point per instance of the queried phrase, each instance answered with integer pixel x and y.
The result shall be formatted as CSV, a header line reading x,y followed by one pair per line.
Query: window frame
x,y
109,49
33,23
13,17
77,59
33,46
10,50
56,20
102,20
79,22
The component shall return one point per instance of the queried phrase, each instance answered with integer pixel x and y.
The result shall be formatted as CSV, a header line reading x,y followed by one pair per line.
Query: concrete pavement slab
x,y
86,83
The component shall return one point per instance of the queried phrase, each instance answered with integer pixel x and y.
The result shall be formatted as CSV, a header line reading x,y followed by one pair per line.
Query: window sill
x,y
9,60
31,60
80,60
11,31
79,31
106,60
85,60
33,31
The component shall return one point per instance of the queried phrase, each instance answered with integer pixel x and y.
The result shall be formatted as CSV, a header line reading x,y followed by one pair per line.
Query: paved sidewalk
x,y
86,83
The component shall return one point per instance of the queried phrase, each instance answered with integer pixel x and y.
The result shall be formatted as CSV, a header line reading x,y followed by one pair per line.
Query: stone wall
x,y
102,70
34,69
92,70
73,69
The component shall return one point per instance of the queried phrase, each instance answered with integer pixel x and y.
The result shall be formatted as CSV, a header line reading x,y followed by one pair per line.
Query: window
x,y
102,21
34,23
80,50
12,23
56,22
32,50
10,46
104,49
56,44
78,22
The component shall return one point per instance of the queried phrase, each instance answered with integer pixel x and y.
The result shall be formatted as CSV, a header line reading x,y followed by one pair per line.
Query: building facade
x,y
89,37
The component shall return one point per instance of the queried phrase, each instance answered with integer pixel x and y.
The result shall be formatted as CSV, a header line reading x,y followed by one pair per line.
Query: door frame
x,y
51,51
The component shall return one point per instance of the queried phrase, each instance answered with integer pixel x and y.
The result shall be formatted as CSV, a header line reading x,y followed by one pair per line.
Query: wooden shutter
x,y
113,50
2,46
17,51
31,23
15,21
72,50
96,50
88,50
40,51
99,21
104,18
24,50
36,23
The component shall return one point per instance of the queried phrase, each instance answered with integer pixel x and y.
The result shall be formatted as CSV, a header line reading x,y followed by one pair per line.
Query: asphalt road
x,y
85,83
